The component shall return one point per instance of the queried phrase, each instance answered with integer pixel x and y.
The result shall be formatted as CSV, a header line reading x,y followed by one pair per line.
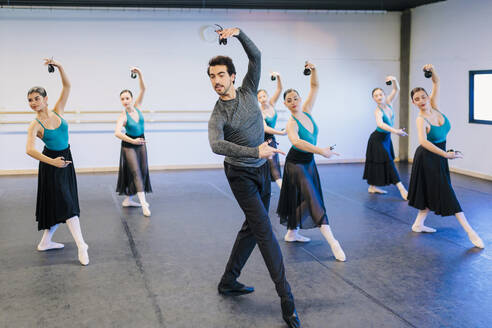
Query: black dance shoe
x,y
289,313
234,289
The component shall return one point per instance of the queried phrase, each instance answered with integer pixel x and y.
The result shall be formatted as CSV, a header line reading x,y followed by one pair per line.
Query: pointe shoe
x,y
296,238
476,240
374,190
83,255
422,228
338,251
130,203
145,210
234,289
51,245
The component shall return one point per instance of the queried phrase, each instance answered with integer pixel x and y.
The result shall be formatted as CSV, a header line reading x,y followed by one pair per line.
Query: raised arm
x,y
276,95
435,86
313,91
223,147
380,123
62,100
140,96
120,123
32,132
395,91
422,134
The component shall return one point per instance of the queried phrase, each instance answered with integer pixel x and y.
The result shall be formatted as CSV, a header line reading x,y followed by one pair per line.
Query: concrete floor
x,y
163,271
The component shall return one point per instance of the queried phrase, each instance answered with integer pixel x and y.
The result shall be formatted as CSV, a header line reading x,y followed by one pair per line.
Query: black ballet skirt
x,y
133,175
301,199
57,198
430,183
273,162
380,169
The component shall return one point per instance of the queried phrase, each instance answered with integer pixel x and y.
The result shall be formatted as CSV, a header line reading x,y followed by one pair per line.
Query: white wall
x,y
455,36
353,53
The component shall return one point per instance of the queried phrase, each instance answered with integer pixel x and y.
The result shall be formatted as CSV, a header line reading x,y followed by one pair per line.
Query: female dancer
x,y
430,183
133,176
57,199
380,169
301,199
270,116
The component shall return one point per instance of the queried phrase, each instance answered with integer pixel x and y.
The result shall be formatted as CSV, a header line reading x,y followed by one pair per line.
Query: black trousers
x,y
251,187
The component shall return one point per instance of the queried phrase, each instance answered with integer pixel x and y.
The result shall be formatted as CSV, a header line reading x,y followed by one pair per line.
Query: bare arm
x,y
140,96
293,134
120,123
395,91
62,100
272,130
422,134
380,123
313,91
435,86
276,95
32,132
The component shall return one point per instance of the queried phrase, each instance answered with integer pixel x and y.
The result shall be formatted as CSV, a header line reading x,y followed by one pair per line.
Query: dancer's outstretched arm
x,y
293,134
276,95
394,91
62,100
138,101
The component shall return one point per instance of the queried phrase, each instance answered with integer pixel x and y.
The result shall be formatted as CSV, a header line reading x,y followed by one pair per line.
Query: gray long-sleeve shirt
x,y
235,128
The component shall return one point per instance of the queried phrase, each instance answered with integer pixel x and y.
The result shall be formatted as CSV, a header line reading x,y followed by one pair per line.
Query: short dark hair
x,y
257,93
222,60
126,90
376,89
289,91
40,90
415,90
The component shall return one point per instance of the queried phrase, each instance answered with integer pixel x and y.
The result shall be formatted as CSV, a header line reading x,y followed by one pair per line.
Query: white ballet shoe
x,y
290,238
404,194
422,228
338,251
145,210
130,203
476,240
50,245
374,190
84,255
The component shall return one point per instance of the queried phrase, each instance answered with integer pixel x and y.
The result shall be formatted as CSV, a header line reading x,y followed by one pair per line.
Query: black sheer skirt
x,y
430,183
273,162
57,198
301,198
133,175
380,169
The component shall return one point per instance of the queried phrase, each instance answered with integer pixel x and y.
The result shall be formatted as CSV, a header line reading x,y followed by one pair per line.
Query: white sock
x,y
46,243
418,225
74,227
403,191
334,244
279,183
375,190
143,202
293,235
472,235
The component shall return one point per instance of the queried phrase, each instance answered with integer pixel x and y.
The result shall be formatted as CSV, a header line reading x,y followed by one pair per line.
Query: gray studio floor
x,y
163,271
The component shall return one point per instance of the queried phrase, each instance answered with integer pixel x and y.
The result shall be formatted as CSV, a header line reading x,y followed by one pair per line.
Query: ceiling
x,y
388,5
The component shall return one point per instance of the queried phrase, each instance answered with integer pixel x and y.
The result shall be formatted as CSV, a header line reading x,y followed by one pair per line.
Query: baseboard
x,y
112,169
474,174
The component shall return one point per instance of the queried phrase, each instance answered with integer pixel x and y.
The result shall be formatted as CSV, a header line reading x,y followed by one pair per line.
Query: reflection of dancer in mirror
x,y
301,203
270,116
235,129
57,200
430,183
133,176
380,169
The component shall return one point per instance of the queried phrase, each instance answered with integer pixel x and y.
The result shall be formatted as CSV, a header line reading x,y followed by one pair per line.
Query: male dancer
x,y
235,129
